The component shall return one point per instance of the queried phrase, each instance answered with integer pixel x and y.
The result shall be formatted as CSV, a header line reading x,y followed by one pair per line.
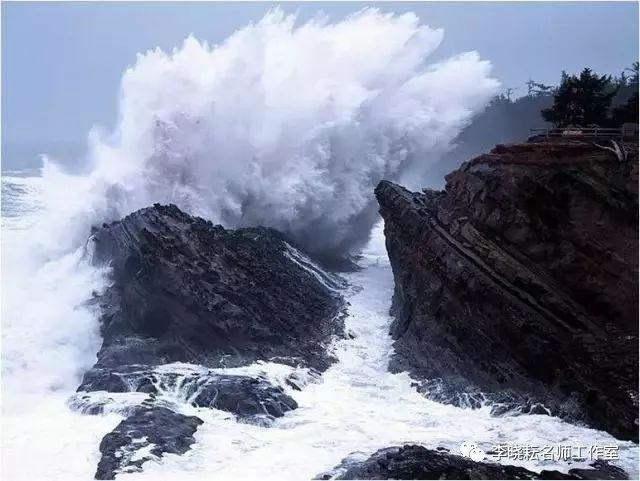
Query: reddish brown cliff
x,y
517,284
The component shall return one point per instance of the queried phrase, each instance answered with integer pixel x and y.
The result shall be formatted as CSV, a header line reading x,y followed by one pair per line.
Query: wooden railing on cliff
x,y
618,138
595,132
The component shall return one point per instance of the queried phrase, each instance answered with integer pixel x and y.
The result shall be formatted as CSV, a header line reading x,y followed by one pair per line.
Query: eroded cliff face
x,y
517,284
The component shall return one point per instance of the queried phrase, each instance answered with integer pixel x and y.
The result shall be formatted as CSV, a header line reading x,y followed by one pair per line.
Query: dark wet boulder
x,y
146,434
244,396
417,462
518,283
97,379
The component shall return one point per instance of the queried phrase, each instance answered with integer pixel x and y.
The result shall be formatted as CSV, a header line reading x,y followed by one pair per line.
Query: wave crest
x,y
285,125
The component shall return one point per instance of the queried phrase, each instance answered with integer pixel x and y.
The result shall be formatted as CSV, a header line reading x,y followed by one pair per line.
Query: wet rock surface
x,y
517,284
186,290
244,396
146,434
417,462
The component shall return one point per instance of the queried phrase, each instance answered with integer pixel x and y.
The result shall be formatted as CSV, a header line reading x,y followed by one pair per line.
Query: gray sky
x,y
62,62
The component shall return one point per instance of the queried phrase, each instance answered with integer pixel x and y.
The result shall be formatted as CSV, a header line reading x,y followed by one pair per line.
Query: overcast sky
x,y
62,62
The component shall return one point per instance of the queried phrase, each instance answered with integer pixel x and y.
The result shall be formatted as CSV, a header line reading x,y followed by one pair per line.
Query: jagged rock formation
x,y
417,462
518,282
186,291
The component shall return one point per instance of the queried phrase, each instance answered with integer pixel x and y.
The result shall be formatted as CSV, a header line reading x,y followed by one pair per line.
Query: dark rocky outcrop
x,y
147,433
417,462
186,291
517,284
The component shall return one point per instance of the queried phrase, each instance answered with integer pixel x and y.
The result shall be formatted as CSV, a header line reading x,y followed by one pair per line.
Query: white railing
x,y
579,132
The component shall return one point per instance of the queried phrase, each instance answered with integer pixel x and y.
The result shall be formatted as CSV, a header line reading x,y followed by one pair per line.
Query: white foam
x,y
47,440
286,125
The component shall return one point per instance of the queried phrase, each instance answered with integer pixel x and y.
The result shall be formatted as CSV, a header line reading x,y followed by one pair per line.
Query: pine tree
x,y
581,100
535,89
628,112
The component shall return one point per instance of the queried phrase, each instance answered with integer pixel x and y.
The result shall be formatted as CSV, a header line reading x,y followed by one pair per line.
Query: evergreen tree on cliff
x,y
581,100
628,111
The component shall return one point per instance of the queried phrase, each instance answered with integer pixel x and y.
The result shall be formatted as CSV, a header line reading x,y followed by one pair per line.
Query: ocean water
x,y
354,407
